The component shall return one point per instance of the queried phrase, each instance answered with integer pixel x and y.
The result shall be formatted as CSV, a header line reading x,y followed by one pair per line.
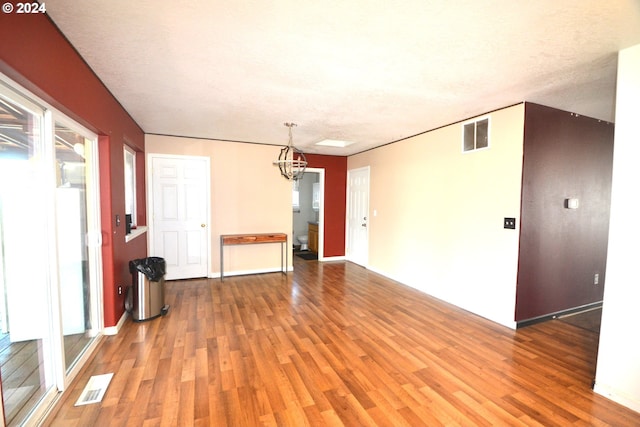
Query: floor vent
x,y
94,390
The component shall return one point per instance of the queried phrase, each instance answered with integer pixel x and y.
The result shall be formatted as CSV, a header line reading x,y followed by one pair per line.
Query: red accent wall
x,y
565,156
335,201
36,55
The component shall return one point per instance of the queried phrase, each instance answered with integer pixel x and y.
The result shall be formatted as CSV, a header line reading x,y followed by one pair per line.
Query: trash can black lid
x,y
152,267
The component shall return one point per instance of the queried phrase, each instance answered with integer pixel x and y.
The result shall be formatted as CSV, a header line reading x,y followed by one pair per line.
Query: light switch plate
x,y
571,203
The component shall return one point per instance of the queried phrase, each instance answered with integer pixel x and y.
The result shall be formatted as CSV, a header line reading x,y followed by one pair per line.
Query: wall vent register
x,y
475,135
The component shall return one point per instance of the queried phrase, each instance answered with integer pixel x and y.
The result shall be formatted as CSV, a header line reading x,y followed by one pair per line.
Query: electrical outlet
x,y
510,223
119,290
596,279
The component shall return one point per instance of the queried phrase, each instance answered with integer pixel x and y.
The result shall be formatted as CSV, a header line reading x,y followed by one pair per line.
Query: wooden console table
x,y
249,239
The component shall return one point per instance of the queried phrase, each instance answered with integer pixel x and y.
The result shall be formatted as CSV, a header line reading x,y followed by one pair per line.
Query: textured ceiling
x,y
367,71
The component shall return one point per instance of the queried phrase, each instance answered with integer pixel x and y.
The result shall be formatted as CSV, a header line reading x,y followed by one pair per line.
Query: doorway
x,y
179,208
308,213
358,216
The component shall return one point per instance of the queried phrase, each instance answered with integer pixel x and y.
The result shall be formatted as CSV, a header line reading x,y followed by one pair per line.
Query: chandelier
x,y
291,161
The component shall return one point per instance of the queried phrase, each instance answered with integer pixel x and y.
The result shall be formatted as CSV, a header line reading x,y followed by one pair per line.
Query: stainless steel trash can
x,y
148,297
147,300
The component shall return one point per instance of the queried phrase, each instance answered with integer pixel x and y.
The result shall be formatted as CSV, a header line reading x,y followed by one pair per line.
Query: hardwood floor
x,y
334,344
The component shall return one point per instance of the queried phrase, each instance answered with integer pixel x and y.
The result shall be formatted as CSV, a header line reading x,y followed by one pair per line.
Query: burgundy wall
x,y
335,201
35,54
565,156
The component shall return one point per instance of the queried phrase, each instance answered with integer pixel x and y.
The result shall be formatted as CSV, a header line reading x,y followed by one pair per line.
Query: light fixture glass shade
x,y
291,161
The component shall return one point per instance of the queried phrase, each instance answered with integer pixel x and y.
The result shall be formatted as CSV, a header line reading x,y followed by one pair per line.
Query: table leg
x,y
221,260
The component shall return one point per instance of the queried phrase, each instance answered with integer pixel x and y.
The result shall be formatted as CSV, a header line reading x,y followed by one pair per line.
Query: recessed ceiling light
x,y
334,143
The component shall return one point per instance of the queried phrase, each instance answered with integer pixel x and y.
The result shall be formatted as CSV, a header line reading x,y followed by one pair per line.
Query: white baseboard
x,y
382,273
616,396
332,258
113,330
216,275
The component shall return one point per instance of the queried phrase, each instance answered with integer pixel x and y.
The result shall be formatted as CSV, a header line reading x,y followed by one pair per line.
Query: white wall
x,y
618,369
248,195
439,223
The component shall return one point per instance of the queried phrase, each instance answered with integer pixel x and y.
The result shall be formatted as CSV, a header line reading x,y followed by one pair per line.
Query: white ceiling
x,y
367,71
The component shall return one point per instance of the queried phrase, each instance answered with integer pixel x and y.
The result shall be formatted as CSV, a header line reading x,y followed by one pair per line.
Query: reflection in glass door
x,y
49,264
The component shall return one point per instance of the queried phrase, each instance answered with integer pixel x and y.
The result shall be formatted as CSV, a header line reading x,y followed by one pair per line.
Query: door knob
x,y
203,225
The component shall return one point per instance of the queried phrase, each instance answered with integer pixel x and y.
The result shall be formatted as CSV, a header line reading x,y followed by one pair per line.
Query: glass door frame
x,y
39,152
61,376
94,251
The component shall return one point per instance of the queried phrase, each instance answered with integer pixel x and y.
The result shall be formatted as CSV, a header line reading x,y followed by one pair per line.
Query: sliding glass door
x,y
79,325
26,343
49,263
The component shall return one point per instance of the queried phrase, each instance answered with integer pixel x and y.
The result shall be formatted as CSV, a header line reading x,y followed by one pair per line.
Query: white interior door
x,y
179,214
358,216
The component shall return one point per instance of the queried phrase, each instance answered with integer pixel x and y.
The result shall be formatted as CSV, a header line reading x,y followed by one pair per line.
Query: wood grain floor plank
x,y
336,345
